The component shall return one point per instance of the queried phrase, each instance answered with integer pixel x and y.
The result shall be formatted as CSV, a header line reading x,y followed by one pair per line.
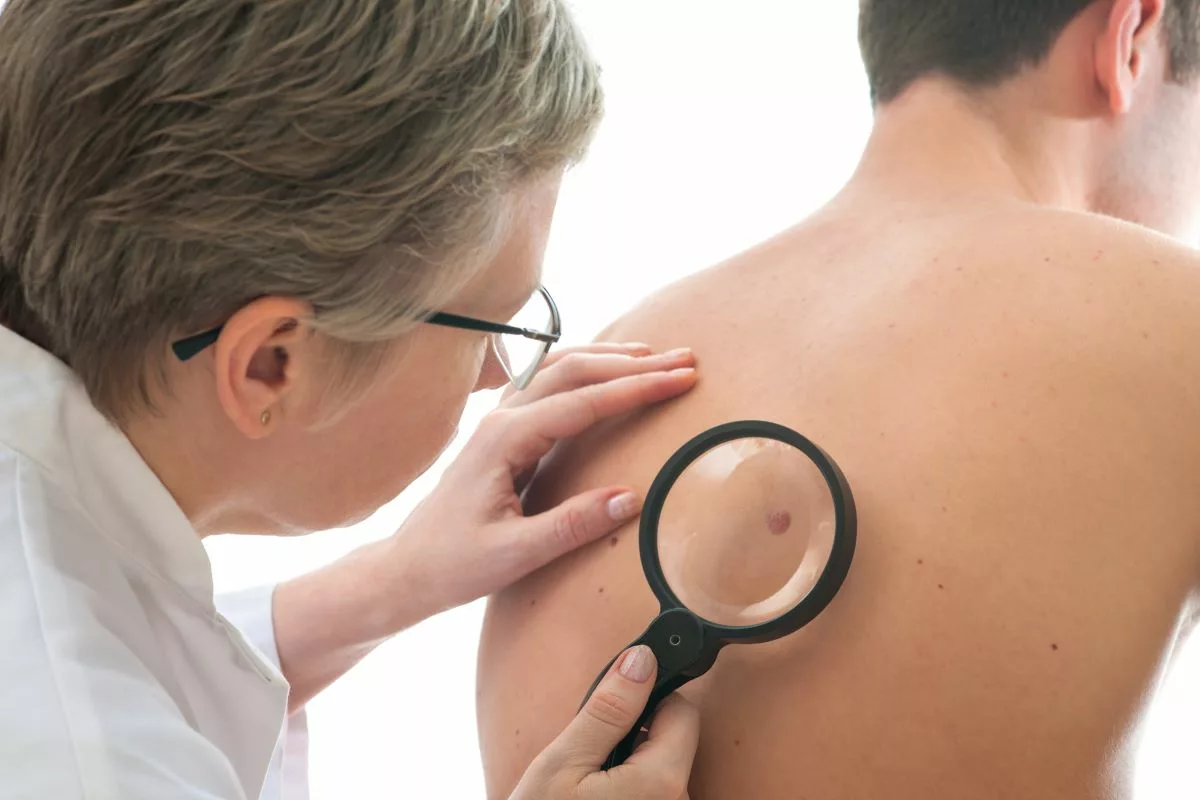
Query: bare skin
x,y
1011,385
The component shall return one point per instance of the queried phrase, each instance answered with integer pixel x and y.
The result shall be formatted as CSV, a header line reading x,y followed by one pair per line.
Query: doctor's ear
x,y
257,362
1132,28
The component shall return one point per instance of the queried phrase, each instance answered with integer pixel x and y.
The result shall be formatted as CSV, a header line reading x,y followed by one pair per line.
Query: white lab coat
x,y
119,679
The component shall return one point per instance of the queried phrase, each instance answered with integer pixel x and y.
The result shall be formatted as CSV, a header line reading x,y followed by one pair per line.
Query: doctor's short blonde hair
x,y
165,162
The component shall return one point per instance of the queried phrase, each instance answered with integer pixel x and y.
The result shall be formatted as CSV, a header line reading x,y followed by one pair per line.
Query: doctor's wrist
x,y
406,594
328,620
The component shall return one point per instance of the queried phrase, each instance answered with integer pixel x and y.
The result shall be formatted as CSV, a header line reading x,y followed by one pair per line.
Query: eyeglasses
x,y
521,346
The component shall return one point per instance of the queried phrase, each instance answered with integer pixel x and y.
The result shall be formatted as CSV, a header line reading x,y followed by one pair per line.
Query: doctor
x,y
253,259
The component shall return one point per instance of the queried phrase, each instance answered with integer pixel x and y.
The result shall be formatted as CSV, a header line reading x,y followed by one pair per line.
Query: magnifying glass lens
x,y
746,531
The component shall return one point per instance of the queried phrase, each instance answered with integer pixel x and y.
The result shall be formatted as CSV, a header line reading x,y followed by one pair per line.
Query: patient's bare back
x,y
1011,394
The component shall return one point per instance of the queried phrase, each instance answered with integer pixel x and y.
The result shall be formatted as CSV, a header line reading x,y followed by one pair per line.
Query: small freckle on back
x,y
601,590
1053,647
940,586
920,561
533,603
613,541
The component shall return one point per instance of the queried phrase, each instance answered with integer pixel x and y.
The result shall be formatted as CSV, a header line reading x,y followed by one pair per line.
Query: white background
x,y
727,122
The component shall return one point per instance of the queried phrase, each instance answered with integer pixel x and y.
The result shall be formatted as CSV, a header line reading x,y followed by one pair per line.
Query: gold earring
x,y
265,418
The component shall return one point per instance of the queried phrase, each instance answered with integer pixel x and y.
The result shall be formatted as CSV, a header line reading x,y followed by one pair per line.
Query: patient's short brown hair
x,y
164,162
982,42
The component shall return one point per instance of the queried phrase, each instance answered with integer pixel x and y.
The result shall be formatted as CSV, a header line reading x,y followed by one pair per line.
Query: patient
x,y
990,332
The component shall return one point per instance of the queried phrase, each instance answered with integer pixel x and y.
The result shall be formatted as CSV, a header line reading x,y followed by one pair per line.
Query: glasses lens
x,y
521,355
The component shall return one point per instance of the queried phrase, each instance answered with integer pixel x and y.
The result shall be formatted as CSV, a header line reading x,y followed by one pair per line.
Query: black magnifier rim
x,y
844,536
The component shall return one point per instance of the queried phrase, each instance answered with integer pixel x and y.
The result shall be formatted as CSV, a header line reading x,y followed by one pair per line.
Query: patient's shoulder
x,y
1057,243
1107,249
1030,246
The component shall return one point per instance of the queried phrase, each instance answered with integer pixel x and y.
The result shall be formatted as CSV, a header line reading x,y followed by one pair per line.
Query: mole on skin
x,y
779,522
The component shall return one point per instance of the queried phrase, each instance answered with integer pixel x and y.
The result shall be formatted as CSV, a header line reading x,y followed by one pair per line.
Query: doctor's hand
x,y
569,769
471,537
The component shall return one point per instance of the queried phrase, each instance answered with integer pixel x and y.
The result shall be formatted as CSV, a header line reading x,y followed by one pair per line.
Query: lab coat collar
x,y
46,416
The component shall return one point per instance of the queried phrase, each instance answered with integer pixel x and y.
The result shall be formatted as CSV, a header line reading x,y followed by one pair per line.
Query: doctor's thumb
x,y
612,710
658,770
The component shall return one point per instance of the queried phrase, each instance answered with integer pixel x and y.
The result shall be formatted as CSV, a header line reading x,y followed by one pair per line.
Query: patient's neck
x,y
938,144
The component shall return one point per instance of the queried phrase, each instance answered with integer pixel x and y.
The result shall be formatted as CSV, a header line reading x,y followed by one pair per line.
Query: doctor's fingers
x,y
585,368
670,749
628,349
535,541
659,769
526,433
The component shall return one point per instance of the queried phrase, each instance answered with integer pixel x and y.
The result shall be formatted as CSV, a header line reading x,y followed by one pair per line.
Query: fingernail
x,y
679,352
686,372
637,346
623,506
638,664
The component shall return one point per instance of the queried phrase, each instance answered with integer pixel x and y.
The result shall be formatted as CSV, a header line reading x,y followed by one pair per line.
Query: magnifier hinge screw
x,y
675,640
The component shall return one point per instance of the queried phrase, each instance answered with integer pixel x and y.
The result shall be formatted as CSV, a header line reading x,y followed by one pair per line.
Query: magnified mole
x,y
778,522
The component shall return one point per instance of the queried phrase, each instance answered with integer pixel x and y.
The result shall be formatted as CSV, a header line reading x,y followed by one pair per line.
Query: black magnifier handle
x,y
662,690
682,651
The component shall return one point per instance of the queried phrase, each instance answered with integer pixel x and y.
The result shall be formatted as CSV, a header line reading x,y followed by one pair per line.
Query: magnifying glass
x,y
747,534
